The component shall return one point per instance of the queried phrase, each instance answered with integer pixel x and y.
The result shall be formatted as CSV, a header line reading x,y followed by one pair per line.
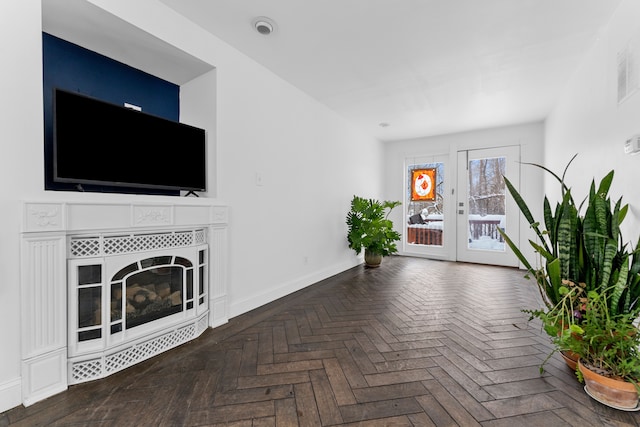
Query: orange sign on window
x,y
423,184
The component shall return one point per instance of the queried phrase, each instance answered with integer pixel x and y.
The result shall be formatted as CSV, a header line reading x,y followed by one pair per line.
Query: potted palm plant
x,y
370,228
586,269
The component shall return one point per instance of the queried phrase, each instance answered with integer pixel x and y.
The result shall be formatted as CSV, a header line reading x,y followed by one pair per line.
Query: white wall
x,y
21,170
198,108
284,234
289,231
528,136
588,121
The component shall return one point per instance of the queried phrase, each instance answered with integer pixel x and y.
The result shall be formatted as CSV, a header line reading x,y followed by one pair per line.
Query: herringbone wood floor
x,y
415,342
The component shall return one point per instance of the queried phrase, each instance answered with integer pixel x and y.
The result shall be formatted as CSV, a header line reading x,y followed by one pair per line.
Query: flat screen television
x,y
95,142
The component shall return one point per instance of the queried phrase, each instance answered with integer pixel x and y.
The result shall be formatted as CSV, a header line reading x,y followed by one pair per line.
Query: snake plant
x,y
586,249
585,264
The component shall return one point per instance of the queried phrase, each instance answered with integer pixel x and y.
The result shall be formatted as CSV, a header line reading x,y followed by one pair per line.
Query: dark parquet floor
x,y
413,343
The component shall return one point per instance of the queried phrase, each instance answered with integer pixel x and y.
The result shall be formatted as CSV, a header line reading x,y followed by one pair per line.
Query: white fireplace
x,y
132,296
108,285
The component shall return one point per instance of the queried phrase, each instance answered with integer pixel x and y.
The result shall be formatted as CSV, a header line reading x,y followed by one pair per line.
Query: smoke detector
x,y
264,25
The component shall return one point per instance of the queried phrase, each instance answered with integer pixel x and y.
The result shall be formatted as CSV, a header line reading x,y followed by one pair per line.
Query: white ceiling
x,y
89,26
425,67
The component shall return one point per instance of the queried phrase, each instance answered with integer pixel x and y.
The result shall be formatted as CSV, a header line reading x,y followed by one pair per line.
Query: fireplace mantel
x,y
47,228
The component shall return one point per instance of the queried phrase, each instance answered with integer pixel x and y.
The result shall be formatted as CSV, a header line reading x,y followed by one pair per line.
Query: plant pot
x,y
372,259
571,359
611,392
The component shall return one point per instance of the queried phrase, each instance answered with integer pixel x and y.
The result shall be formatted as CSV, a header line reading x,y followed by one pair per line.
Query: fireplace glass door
x,y
150,290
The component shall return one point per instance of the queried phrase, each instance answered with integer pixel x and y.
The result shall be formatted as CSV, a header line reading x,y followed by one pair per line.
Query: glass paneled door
x,y
427,231
484,205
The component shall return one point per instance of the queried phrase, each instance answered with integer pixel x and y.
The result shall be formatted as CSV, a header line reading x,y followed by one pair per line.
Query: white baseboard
x,y
248,304
10,394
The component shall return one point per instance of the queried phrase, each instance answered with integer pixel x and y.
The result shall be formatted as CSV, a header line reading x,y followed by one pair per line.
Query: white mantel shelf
x,y
47,225
113,212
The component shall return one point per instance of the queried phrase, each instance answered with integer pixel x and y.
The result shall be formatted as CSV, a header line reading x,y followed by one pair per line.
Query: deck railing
x,y
423,234
485,227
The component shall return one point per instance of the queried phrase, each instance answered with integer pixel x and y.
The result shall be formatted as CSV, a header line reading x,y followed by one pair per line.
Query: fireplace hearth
x,y
107,285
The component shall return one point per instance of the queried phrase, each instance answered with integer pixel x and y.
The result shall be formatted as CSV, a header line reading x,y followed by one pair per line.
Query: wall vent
x,y
628,69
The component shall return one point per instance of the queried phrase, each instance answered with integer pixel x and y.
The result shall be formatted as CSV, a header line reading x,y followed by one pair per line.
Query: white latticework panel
x,y
84,247
145,350
122,359
200,237
98,368
86,371
92,246
170,340
145,242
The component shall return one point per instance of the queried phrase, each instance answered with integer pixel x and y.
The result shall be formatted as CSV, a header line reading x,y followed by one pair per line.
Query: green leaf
x,y
516,250
609,252
605,184
542,251
576,329
620,287
555,281
623,212
522,205
560,180
549,222
566,233
602,213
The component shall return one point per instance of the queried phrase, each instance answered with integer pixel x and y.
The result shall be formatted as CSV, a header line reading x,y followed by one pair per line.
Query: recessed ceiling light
x,y
264,25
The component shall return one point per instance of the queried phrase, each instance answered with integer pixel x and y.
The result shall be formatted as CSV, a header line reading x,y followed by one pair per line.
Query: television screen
x,y
96,142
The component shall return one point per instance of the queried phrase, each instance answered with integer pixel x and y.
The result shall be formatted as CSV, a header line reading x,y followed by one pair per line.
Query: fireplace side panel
x,y
43,315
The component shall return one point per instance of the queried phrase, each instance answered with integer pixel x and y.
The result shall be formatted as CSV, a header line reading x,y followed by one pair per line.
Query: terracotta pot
x,y
371,259
615,393
570,358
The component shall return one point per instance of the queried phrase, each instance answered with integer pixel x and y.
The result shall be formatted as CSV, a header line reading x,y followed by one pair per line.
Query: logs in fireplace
x,y
150,295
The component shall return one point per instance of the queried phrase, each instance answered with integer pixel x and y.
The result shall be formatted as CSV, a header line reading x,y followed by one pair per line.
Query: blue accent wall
x,y
73,68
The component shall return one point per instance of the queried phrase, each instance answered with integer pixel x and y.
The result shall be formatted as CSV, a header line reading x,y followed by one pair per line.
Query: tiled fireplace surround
x,y
58,236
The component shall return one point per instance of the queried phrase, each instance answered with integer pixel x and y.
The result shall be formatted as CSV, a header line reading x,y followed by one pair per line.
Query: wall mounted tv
x,y
95,142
